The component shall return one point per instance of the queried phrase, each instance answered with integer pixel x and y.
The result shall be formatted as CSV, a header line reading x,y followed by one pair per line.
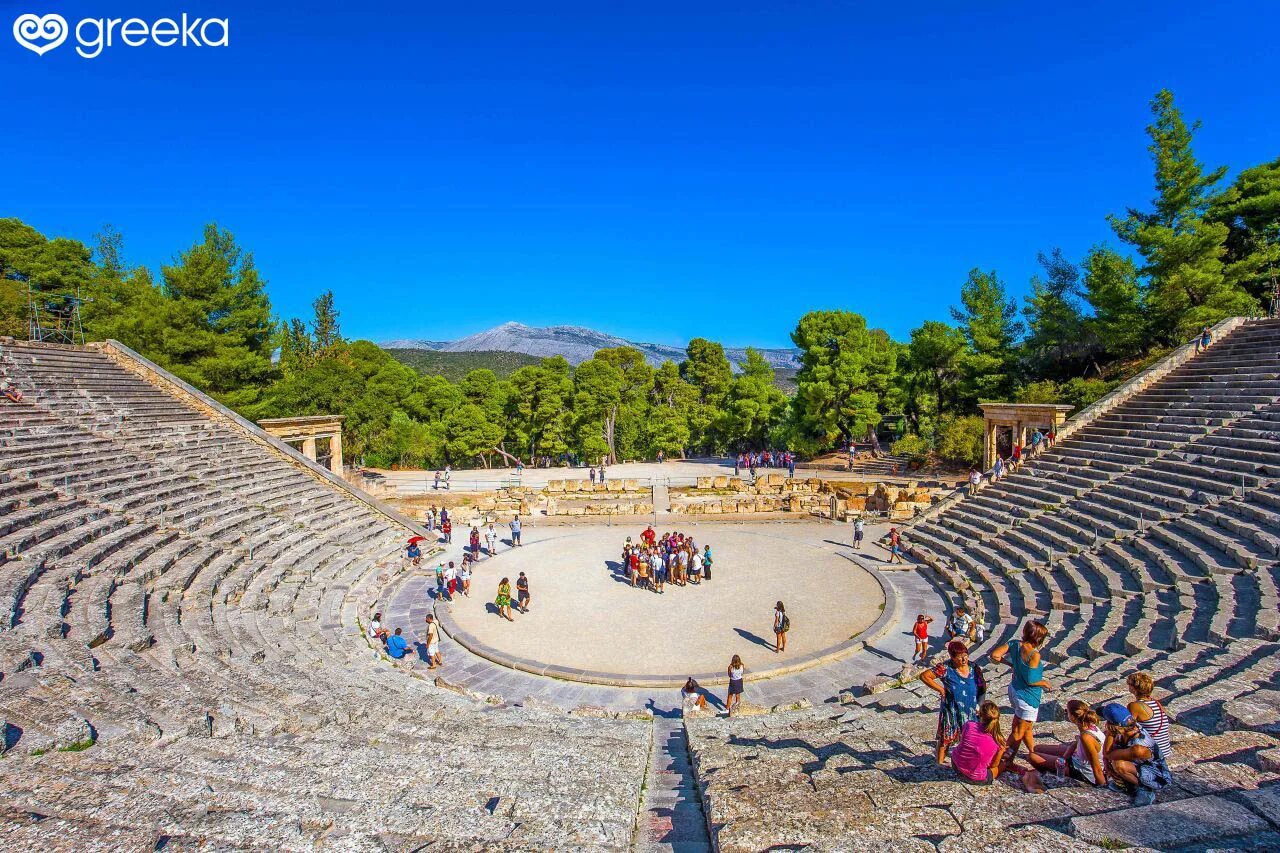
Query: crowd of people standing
x,y
765,459
654,562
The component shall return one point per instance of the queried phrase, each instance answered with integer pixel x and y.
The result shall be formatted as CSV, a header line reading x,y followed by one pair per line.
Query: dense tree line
x,y
1199,251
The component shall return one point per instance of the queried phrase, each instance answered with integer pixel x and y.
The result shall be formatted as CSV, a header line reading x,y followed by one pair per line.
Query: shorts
x,y
1021,710
433,650
968,781
735,687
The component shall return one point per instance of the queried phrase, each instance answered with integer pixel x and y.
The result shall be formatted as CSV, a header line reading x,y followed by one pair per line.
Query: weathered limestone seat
x,y
177,592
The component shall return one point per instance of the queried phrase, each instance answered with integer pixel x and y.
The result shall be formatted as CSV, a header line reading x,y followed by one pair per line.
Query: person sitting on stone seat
x,y
1148,712
397,646
691,696
10,391
960,626
377,633
1081,759
976,754
1134,761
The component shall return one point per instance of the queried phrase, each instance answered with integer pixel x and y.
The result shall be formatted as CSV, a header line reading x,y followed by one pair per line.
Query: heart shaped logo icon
x,y
51,28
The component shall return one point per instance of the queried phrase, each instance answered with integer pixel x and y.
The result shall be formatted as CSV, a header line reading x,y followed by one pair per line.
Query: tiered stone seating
x,y
1146,541
179,650
1152,504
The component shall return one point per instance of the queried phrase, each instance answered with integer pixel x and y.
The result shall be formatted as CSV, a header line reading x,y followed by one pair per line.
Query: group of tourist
x,y
442,478
396,646
437,521
1124,748
674,558
1041,441
503,601
765,459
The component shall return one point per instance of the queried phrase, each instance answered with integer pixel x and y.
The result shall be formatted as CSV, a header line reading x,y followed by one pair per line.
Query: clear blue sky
x,y
642,168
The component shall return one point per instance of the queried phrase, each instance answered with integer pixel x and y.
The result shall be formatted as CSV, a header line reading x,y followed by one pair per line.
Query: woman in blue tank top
x,y
1026,689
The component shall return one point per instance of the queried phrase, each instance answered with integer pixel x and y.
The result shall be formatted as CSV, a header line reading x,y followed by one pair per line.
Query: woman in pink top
x,y
976,755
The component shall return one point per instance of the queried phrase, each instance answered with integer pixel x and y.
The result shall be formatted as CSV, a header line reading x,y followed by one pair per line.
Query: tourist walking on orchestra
x,y
446,528
736,673
859,529
960,685
491,539
433,643
515,532
895,546
464,577
522,593
503,601
781,625
1026,689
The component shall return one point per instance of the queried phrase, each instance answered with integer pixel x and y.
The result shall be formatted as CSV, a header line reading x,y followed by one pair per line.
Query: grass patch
x,y
1113,844
78,746
36,752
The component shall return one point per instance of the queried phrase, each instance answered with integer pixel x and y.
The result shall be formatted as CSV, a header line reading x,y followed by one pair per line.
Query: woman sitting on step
x,y
1082,758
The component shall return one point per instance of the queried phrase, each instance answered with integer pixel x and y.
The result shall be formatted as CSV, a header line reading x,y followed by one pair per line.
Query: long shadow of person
x,y
490,607
759,641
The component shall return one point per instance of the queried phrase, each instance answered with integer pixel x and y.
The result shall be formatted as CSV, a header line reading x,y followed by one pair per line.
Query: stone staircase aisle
x,y
671,816
661,499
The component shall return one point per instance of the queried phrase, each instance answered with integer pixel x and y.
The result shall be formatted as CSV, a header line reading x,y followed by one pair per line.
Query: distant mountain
x,y
577,344
455,365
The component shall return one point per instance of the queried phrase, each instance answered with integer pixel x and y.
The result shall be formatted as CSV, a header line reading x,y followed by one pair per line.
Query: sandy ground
x,y
586,615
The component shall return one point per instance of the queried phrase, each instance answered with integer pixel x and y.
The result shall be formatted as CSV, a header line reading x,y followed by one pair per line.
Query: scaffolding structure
x,y
53,316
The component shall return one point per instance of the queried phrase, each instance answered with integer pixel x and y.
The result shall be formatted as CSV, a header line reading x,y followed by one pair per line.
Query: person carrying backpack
x,y
781,625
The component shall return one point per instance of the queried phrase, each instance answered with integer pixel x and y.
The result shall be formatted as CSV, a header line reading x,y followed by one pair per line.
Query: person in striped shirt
x,y
1147,712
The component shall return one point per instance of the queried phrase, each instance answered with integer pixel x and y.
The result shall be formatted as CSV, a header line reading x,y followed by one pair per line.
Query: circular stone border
x,y
878,628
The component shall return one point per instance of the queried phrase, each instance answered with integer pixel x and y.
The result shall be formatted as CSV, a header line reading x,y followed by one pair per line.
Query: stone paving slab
x,y
1167,825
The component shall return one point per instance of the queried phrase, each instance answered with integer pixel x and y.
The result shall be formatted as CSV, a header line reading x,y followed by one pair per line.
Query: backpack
x,y
786,623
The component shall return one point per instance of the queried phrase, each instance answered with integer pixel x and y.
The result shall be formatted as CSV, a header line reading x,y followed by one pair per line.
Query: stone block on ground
x,y
1169,824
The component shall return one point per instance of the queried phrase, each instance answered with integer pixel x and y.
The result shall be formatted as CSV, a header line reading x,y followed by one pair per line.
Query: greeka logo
x,y
42,33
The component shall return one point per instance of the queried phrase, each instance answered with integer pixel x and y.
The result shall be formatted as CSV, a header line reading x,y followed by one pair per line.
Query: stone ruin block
x,y
705,482
858,504
694,509
555,486
572,485
713,507
720,482
902,511
857,488
614,485
630,485
737,484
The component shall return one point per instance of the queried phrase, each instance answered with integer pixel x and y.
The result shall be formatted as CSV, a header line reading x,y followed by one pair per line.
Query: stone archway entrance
x,y
1005,424
317,437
